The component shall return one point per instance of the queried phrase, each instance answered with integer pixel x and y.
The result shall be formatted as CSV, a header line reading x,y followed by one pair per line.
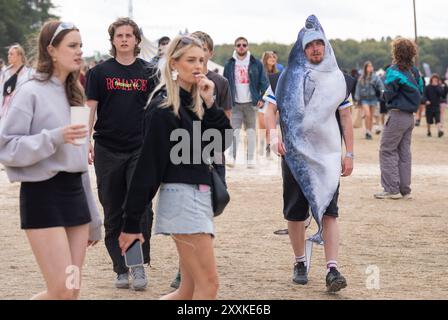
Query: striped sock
x,y
331,264
301,259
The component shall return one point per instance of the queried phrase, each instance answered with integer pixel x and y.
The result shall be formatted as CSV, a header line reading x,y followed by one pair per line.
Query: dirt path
x,y
405,241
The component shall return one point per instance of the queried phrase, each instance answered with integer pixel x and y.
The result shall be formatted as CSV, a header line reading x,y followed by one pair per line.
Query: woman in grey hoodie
x,y
37,148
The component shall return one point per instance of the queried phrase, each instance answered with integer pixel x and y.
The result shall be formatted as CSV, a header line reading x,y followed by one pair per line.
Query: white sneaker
x,y
251,164
230,162
139,280
388,195
122,281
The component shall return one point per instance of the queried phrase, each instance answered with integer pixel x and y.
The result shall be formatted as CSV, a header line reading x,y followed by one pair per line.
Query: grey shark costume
x,y
308,97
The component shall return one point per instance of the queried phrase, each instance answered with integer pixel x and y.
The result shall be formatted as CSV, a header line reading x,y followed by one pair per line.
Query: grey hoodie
x,y
32,145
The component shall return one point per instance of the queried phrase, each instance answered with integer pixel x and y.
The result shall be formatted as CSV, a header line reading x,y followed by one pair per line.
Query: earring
x,y
55,60
174,74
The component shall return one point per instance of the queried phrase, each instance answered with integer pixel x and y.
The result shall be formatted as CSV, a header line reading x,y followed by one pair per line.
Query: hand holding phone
x,y
127,239
134,255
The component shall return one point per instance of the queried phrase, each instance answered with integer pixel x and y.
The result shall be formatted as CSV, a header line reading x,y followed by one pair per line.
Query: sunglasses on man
x,y
239,45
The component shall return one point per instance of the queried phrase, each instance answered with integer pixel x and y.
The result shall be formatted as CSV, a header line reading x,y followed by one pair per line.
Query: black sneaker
x,y
440,134
268,151
300,275
368,136
417,123
176,282
429,134
335,281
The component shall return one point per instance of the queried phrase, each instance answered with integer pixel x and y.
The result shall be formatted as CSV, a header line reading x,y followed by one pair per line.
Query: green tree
x,y
353,54
20,19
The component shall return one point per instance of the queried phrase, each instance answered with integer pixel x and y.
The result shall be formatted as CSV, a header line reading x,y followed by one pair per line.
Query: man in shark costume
x,y
313,98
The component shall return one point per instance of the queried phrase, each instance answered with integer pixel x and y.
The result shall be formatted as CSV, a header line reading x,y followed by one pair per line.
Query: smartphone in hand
x,y
134,255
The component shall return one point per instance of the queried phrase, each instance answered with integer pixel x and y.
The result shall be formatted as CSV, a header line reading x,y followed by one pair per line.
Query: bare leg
x,y
368,118
78,238
52,251
198,265
296,232
186,288
331,238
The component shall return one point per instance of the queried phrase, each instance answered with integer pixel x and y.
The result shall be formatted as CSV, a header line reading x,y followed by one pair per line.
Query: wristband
x,y
350,155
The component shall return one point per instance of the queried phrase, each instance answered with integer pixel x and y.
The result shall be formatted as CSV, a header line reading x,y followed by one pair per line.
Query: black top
x,y
222,90
122,93
273,80
155,165
434,95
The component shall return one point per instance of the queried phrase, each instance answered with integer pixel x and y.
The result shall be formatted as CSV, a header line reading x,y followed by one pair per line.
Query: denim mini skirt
x,y
184,209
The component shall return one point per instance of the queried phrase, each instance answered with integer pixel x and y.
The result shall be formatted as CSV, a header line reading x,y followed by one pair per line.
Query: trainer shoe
x,y
369,136
335,281
440,134
388,195
251,164
429,134
417,123
176,282
268,151
407,196
122,281
231,162
300,275
139,280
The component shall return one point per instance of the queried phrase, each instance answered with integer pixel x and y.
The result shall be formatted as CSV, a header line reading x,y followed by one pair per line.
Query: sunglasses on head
x,y
239,45
185,41
63,26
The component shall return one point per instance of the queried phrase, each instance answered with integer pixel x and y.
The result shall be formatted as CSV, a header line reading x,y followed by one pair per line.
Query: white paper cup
x,y
80,115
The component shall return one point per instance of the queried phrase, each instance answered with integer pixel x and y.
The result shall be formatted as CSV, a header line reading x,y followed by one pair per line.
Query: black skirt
x,y
58,202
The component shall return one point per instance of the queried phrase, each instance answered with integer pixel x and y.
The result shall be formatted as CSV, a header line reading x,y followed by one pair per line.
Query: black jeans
x,y
114,172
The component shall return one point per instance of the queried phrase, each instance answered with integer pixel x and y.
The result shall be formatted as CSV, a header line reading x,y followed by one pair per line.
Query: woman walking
x,y
37,148
182,101
13,76
368,90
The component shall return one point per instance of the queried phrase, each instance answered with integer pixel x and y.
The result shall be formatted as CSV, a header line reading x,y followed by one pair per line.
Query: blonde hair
x,y
21,52
178,47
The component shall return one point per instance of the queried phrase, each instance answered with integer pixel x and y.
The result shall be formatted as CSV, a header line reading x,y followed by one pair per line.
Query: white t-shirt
x,y
242,81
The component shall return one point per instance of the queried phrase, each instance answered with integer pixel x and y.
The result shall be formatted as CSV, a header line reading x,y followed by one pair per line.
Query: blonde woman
x,y
13,76
184,99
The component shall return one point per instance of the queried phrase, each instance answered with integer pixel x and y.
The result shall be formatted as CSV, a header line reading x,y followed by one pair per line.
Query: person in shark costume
x,y
313,99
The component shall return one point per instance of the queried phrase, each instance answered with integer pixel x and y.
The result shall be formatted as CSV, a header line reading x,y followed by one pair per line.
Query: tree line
x,y
352,54
20,20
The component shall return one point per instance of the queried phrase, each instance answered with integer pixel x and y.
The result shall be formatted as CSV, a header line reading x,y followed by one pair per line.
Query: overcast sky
x,y
262,20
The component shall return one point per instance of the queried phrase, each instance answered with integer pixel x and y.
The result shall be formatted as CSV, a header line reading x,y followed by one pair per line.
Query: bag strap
x,y
20,69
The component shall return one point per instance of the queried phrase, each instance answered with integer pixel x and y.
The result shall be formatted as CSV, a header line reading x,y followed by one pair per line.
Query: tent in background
x,y
149,49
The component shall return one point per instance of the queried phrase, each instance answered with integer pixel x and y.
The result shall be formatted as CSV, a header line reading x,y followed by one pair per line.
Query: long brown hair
x,y
365,76
265,57
45,65
404,52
